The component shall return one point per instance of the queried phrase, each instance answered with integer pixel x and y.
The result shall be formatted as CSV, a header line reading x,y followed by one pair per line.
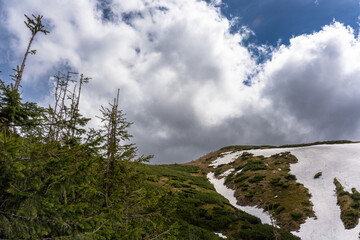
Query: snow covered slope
x,y
341,161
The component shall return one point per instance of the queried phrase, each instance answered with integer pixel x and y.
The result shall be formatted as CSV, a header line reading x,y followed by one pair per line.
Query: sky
x,y
195,76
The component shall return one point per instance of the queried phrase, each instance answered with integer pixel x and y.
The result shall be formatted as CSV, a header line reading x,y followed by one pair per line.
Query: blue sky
x,y
281,19
181,67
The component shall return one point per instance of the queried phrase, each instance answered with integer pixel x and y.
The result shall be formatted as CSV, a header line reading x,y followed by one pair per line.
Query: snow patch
x,y
225,158
221,235
226,173
341,161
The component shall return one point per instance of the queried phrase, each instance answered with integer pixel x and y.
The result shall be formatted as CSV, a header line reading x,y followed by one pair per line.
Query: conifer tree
x,y
61,180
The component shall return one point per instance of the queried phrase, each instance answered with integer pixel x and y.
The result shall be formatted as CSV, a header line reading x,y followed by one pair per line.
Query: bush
x,y
249,218
296,216
319,174
275,181
241,178
246,155
257,178
279,209
229,178
343,193
255,165
350,218
239,167
290,177
263,232
307,203
272,206
244,188
351,213
355,196
250,194
355,205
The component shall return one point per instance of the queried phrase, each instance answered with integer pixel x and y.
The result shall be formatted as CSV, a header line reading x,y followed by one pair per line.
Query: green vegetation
x,y
296,216
254,165
317,175
349,205
318,143
60,180
201,211
249,147
257,178
267,183
290,177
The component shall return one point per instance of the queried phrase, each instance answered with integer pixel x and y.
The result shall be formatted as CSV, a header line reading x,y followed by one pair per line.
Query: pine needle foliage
x,y
59,179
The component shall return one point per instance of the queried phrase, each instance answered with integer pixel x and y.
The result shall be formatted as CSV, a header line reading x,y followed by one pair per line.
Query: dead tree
x,y
35,25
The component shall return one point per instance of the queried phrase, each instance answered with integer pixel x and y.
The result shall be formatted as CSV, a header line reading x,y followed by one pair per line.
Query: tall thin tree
x,y
35,25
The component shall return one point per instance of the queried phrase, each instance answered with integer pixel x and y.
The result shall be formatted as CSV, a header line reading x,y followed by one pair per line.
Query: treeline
x,y
59,179
62,180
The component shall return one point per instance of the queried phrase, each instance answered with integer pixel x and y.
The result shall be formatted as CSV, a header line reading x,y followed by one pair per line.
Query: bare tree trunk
x,y
35,25
19,74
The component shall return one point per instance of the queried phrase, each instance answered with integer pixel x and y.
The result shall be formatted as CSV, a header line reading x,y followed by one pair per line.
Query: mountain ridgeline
x,y
295,185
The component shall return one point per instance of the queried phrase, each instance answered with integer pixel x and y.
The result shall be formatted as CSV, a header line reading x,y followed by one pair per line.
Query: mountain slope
x,y
315,169
200,211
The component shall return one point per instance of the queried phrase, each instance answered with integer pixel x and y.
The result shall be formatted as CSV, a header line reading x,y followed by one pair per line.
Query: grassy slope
x,y
349,205
204,161
292,198
266,182
201,211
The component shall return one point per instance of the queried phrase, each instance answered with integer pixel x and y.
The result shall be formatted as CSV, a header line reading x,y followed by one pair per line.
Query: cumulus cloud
x,y
181,71
315,80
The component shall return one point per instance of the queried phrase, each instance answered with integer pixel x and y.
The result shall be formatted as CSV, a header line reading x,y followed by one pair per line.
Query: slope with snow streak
x,y
229,195
339,160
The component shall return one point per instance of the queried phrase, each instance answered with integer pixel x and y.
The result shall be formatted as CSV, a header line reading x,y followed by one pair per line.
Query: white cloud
x,y
316,81
181,74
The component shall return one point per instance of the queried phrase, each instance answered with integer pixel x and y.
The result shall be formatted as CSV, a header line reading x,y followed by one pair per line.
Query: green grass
x,y
201,211
181,173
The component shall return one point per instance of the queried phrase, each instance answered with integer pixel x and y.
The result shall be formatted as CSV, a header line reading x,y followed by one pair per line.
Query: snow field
x,y
341,161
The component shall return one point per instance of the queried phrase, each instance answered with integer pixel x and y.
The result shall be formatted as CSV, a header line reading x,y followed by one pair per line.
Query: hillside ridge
x,y
285,182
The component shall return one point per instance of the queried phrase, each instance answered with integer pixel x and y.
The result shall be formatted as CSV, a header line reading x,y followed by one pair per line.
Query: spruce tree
x,y
59,179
